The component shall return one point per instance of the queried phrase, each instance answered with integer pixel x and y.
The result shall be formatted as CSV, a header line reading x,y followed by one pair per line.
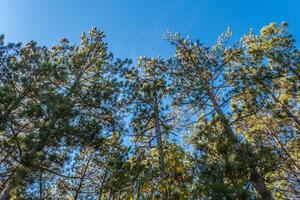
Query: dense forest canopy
x,y
218,122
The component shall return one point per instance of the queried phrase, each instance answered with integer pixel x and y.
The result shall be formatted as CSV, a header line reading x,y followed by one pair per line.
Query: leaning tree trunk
x,y
287,111
260,186
256,178
5,194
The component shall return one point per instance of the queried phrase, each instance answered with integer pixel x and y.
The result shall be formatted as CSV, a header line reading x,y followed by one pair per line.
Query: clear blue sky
x,y
135,27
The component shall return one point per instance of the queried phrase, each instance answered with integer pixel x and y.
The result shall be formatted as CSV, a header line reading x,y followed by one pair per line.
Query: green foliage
x,y
264,74
75,123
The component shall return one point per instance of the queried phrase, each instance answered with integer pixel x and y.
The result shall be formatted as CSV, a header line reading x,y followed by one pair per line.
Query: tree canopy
x,y
219,122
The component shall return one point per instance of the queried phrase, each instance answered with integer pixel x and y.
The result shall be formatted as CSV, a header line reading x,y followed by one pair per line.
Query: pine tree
x,y
264,74
147,93
198,73
53,101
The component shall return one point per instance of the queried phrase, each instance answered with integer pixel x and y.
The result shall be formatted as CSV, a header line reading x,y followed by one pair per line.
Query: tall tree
x,y
264,72
53,101
147,94
217,122
198,73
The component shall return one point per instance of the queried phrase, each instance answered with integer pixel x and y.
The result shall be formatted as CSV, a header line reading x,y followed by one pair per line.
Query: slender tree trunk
x,y
138,192
78,190
279,144
160,149
256,178
284,108
41,185
5,194
290,114
111,195
119,195
159,141
102,185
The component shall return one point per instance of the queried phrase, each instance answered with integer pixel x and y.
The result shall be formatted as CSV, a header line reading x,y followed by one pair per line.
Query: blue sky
x,y
135,27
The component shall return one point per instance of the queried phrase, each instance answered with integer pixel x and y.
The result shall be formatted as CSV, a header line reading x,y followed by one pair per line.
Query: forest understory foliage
x,y
218,122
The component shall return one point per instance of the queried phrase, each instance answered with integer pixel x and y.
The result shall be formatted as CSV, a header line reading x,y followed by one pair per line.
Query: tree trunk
x,y
160,150
258,182
5,194
286,110
41,185
256,178
260,186
159,141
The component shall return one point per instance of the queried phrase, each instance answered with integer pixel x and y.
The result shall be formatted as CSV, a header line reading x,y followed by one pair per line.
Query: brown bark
x,y
283,107
5,194
160,149
256,178
260,186
286,110
159,139
82,178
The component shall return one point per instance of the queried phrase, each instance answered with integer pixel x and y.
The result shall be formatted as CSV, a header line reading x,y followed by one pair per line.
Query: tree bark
x,y
286,110
5,194
160,149
258,181
82,178
159,140
260,186
256,178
